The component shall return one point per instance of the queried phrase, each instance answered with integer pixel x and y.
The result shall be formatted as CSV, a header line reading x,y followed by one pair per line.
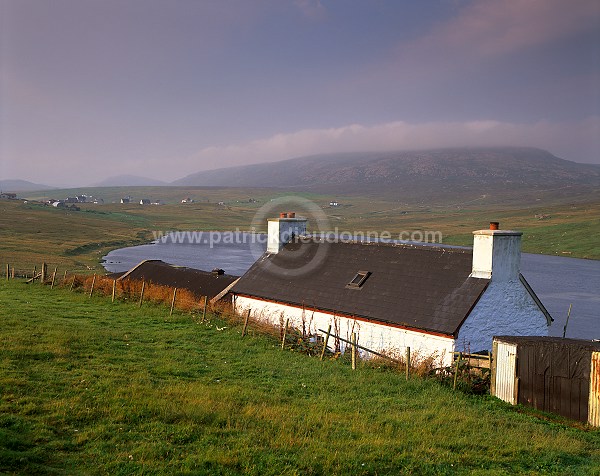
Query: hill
x,y
129,180
432,171
133,391
16,185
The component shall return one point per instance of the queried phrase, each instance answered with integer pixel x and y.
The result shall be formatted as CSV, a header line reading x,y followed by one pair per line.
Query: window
x,y
358,280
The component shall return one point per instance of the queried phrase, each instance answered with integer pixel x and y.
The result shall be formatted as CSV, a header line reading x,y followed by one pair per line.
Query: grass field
x,y
76,240
93,387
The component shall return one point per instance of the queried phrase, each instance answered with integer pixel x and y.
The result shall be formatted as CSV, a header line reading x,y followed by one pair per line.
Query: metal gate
x,y
506,366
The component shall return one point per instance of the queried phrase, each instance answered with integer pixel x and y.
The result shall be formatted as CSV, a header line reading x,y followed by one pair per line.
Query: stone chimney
x,y
283,229
496,254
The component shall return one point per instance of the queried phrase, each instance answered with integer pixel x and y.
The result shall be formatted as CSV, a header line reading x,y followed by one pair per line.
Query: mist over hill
x,y
17,185
510,168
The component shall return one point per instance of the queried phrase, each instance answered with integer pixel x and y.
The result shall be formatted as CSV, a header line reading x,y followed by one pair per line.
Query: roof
x,y
416,286
201,283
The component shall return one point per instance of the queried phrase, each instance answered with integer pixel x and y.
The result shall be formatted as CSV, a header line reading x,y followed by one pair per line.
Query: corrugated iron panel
x,y
506,361
594,402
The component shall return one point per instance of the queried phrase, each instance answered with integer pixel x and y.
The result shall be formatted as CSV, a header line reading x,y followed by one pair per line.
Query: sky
x,y
164,88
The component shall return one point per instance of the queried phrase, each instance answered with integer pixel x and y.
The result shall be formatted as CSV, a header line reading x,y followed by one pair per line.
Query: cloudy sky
x,y
164,88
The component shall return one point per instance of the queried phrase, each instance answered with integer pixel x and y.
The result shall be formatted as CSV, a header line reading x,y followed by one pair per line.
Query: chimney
x,y
283,229
496,253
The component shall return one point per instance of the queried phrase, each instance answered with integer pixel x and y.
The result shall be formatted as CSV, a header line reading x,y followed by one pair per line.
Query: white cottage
x,y
431,298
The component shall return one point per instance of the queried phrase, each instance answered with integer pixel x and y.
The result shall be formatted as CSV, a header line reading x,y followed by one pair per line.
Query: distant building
x,y
334,203
125,200
187,200
8,196
145,201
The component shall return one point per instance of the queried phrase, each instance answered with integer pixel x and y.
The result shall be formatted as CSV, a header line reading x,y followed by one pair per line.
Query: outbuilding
x,y
431,298
549,373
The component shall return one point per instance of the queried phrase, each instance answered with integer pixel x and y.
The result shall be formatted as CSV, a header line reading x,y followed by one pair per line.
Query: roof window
x,y
358,280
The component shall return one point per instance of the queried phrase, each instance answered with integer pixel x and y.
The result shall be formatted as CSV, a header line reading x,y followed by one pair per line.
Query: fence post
x,y
246,323
354,351
493,368
72,283
7,271
204,308
456,370
34,273
44,272
287,321
326,341
407,363
173,301
53,277
93,282
12,272
114,290
142,293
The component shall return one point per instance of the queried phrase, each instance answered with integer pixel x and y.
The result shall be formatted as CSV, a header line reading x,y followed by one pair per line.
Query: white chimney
x,y
496,254
283,229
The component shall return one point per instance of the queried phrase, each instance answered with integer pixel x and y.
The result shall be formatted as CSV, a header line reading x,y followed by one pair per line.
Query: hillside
x,y
430,171
16,185
134,391
129,181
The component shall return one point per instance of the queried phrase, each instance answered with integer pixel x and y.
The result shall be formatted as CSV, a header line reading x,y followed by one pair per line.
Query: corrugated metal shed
x,y
549,373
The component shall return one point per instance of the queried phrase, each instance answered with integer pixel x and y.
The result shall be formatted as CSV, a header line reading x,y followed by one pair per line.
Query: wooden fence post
x,y
407,363
7,271
64,277
142,293
354,351
114,290
12,272
34,273
44,273
325,342
173,301
53,277
93,282
287,321
204,308
456,369
246,323
493,360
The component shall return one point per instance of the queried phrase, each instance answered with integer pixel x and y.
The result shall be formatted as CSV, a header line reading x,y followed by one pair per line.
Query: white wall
x,y
506,308
377,337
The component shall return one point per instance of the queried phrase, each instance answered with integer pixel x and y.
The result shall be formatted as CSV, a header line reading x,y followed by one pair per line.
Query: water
x,y
558,281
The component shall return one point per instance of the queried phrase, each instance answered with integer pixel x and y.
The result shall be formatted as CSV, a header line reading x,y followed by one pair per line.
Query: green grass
x,y
93,387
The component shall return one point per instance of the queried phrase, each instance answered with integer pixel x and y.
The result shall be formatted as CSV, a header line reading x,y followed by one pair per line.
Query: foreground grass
x,y
92,387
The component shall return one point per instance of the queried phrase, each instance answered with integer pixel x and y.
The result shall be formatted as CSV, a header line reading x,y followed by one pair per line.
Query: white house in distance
x,y
431,298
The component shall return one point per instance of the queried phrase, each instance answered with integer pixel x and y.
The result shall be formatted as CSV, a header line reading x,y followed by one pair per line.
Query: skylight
x,y
358,280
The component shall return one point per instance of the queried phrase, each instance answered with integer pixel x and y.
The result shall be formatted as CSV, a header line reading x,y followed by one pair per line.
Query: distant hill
x,y
424,172
129,180
17,185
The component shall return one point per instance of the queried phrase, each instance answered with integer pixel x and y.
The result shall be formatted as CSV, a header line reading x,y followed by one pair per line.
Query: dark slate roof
x,y
417,286
201,283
